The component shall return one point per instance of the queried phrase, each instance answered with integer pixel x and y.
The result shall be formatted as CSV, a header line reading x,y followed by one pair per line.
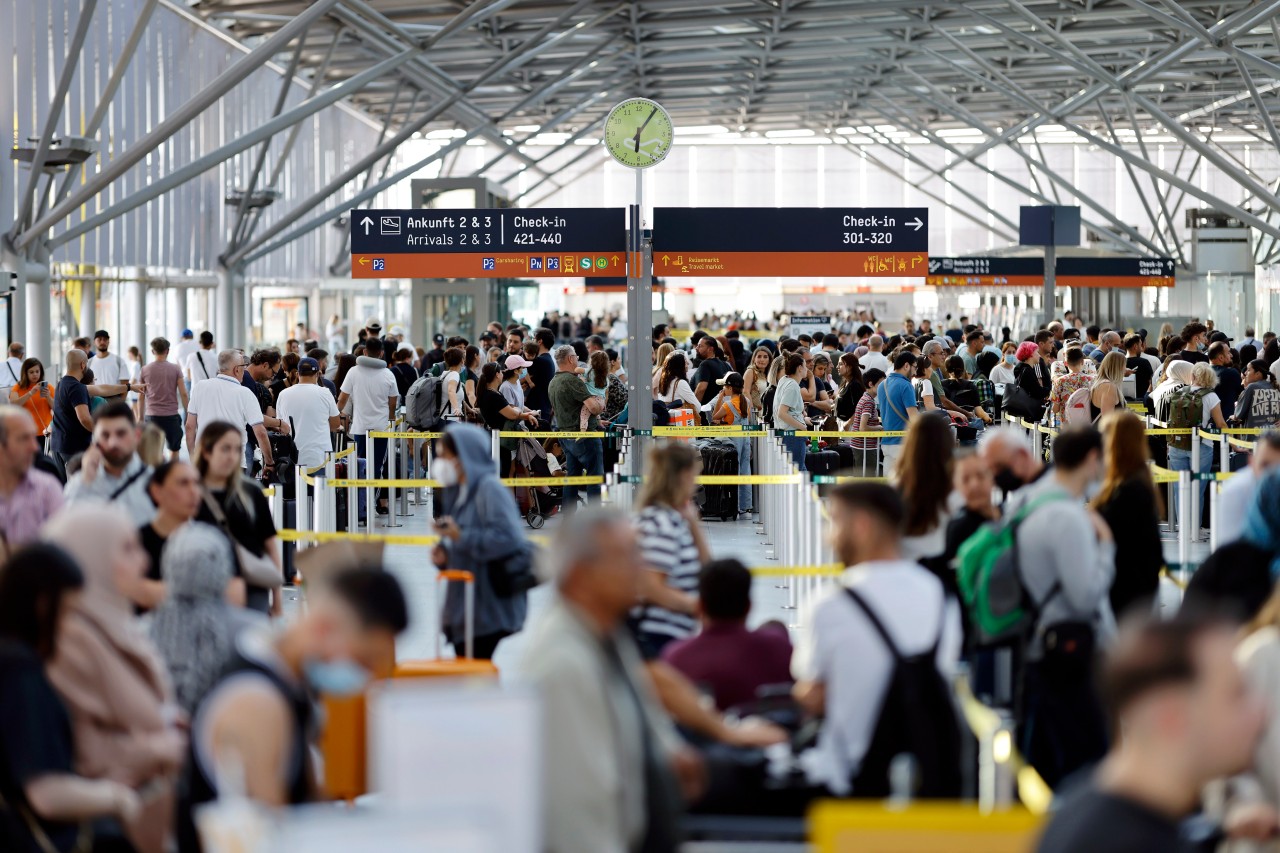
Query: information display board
x,y
1116,272
791,241
488,243
985,272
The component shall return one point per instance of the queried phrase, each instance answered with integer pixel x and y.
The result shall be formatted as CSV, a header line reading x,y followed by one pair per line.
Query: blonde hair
x,y
1204,376
151,445
664,466
1112,368
663,351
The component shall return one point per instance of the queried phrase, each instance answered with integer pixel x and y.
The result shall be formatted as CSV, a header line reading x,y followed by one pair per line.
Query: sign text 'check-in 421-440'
x,y
487,243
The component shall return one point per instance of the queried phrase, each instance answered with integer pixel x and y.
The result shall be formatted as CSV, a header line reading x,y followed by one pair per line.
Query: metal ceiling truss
x,y
876,77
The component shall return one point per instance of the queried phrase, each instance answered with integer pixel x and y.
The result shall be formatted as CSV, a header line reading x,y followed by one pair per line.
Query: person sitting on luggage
x,y
732,407
727,659
962,391
888,631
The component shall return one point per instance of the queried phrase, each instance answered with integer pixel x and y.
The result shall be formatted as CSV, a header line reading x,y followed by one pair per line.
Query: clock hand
x,y
643,126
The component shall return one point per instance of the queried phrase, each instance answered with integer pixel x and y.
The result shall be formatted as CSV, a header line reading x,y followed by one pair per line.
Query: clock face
x,y
638,133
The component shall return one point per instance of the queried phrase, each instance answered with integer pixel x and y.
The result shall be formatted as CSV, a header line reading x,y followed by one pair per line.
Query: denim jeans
x,y
582,456
1180,460
797,446
743,446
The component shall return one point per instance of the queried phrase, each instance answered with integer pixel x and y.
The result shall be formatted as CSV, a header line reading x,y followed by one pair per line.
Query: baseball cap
x,y
439,339
515,362
1219,335
373,324
397,330
405,348
101,333
186,333
733,380
308,366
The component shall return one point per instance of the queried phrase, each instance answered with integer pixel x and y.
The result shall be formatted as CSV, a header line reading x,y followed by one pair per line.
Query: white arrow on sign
x,y
1169,264
916,223
366,222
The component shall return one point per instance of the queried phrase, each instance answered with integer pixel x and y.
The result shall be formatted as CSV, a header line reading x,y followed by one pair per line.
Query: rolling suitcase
x,y
446,667
848,459
719,457
822,461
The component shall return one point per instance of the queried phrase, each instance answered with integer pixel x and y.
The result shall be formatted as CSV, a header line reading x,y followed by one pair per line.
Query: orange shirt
x,y
40,408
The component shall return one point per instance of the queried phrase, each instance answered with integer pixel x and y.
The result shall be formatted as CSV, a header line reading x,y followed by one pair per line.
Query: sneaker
x,y
746,513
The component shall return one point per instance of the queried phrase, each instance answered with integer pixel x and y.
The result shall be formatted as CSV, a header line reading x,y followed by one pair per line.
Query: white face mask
x,y
445,471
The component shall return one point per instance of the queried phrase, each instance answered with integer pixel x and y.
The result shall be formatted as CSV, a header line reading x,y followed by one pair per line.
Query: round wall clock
x,y
638,133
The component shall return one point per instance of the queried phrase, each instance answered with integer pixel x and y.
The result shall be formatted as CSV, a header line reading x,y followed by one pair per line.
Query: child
x,y
597,379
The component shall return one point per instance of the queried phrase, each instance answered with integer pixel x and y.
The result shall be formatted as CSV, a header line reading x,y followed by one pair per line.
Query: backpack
x,y
1186,410
990,579
766,404
661,415
917,719
1076,409
424,404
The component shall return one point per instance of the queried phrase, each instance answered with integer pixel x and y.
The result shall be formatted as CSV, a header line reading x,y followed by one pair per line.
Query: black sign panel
x,y
986,266
491,230
1154,267
790,229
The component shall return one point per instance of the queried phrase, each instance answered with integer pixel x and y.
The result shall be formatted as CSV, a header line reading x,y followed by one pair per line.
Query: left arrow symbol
x,y
366,222
916,223
364,262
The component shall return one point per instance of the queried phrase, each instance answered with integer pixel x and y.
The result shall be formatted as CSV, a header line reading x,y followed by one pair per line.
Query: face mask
x,y
1008,481
444,470
1092,489
1200,347
1011,359
336,678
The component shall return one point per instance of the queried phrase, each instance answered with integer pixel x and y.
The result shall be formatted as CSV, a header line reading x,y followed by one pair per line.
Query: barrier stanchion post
x,y
1213,512
495,450
406,467
321,508
1194,518
277,504
1184,512
301,504
1224,454
995,772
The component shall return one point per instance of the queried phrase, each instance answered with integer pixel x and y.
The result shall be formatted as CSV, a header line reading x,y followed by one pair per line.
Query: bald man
x,y
72,425
28,498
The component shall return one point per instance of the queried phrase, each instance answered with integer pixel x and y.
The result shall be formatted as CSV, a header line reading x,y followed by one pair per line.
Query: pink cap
x,y
515,362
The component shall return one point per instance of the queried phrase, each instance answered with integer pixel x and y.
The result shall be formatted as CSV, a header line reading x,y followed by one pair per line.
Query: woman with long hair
x,y
1130,504
174,488
600,375
755,379
1260,400
923,475
470,374
673,384
672,546
34,394
852,387
234,503
1106,394
660,361
48,804
923,383
345,362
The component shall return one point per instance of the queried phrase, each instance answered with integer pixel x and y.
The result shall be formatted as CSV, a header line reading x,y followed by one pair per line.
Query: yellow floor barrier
x,y
852,826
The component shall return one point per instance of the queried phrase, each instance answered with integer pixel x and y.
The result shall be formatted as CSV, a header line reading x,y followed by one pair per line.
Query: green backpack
x,y
1186,410
990,579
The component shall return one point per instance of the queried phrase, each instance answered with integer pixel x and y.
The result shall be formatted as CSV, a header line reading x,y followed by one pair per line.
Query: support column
x,y
1050,281
639,327
138,302
176,311
224,326
88,308
13,274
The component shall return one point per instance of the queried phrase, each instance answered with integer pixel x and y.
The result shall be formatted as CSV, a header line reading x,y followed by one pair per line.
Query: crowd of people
x,y
147,666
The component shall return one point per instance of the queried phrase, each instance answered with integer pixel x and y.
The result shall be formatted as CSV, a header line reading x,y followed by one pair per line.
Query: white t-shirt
x,y
454,378
877,360
1210,400
307,408
112,370
183,351
924,388
223,398
9,375
370,388
200,363
841,649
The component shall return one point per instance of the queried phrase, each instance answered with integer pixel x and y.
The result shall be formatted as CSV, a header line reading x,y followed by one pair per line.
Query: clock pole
x,y
639,323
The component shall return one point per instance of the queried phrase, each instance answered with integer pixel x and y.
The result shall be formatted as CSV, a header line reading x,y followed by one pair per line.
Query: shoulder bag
x,y
259,571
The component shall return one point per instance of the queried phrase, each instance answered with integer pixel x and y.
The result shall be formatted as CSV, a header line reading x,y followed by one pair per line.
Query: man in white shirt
x,y
108,368
875,357
201,364
186,346
11,373
111,469
311,413
842,663
223,398
372,389
1238,492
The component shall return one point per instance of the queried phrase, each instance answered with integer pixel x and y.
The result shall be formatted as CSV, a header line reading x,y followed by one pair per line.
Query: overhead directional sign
x,y
791,241
1071,272
488,243
1116,272
985,272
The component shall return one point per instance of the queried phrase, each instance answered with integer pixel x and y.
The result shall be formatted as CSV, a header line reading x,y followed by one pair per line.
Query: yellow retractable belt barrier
x,y
832,570
1169,431
342,454
516,433
1244,431
750,479
1163,475
1241,443
385,538
383,484
585,480
390,434
1211,436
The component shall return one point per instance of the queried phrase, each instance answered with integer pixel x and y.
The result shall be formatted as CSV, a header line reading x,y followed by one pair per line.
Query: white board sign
x,y
815,325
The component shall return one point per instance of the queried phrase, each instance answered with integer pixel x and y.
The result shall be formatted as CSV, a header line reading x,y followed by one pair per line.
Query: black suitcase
x,y
719,457
847,457
340,495
822,461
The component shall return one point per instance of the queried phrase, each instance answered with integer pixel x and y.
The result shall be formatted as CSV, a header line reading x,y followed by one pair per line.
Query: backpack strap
x,y
876,623
133,478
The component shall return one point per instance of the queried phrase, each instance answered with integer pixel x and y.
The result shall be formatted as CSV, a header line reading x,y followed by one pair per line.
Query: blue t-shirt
x,y
895,397
69,436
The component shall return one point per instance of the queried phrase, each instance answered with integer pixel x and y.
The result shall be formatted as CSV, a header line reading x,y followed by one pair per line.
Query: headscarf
x,y
89,530
1262,520
1181,371
194,627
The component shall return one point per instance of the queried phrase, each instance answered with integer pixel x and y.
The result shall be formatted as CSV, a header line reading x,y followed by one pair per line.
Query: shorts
x,y
172,427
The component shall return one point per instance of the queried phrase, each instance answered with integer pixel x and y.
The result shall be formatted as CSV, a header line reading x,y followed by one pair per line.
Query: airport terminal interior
x,y
639,426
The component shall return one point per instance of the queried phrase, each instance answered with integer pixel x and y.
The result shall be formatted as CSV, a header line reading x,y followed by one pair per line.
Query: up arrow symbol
x,y
366,222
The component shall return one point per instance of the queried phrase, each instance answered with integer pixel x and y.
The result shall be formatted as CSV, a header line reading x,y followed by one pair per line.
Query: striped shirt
x,y
667,546
866,406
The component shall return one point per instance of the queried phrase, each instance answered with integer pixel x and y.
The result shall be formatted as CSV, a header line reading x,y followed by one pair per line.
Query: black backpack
x,y
766,404
917,718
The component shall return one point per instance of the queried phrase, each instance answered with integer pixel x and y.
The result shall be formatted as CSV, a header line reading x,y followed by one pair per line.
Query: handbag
x,y
512,574
1018,402
1068,649
257,570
